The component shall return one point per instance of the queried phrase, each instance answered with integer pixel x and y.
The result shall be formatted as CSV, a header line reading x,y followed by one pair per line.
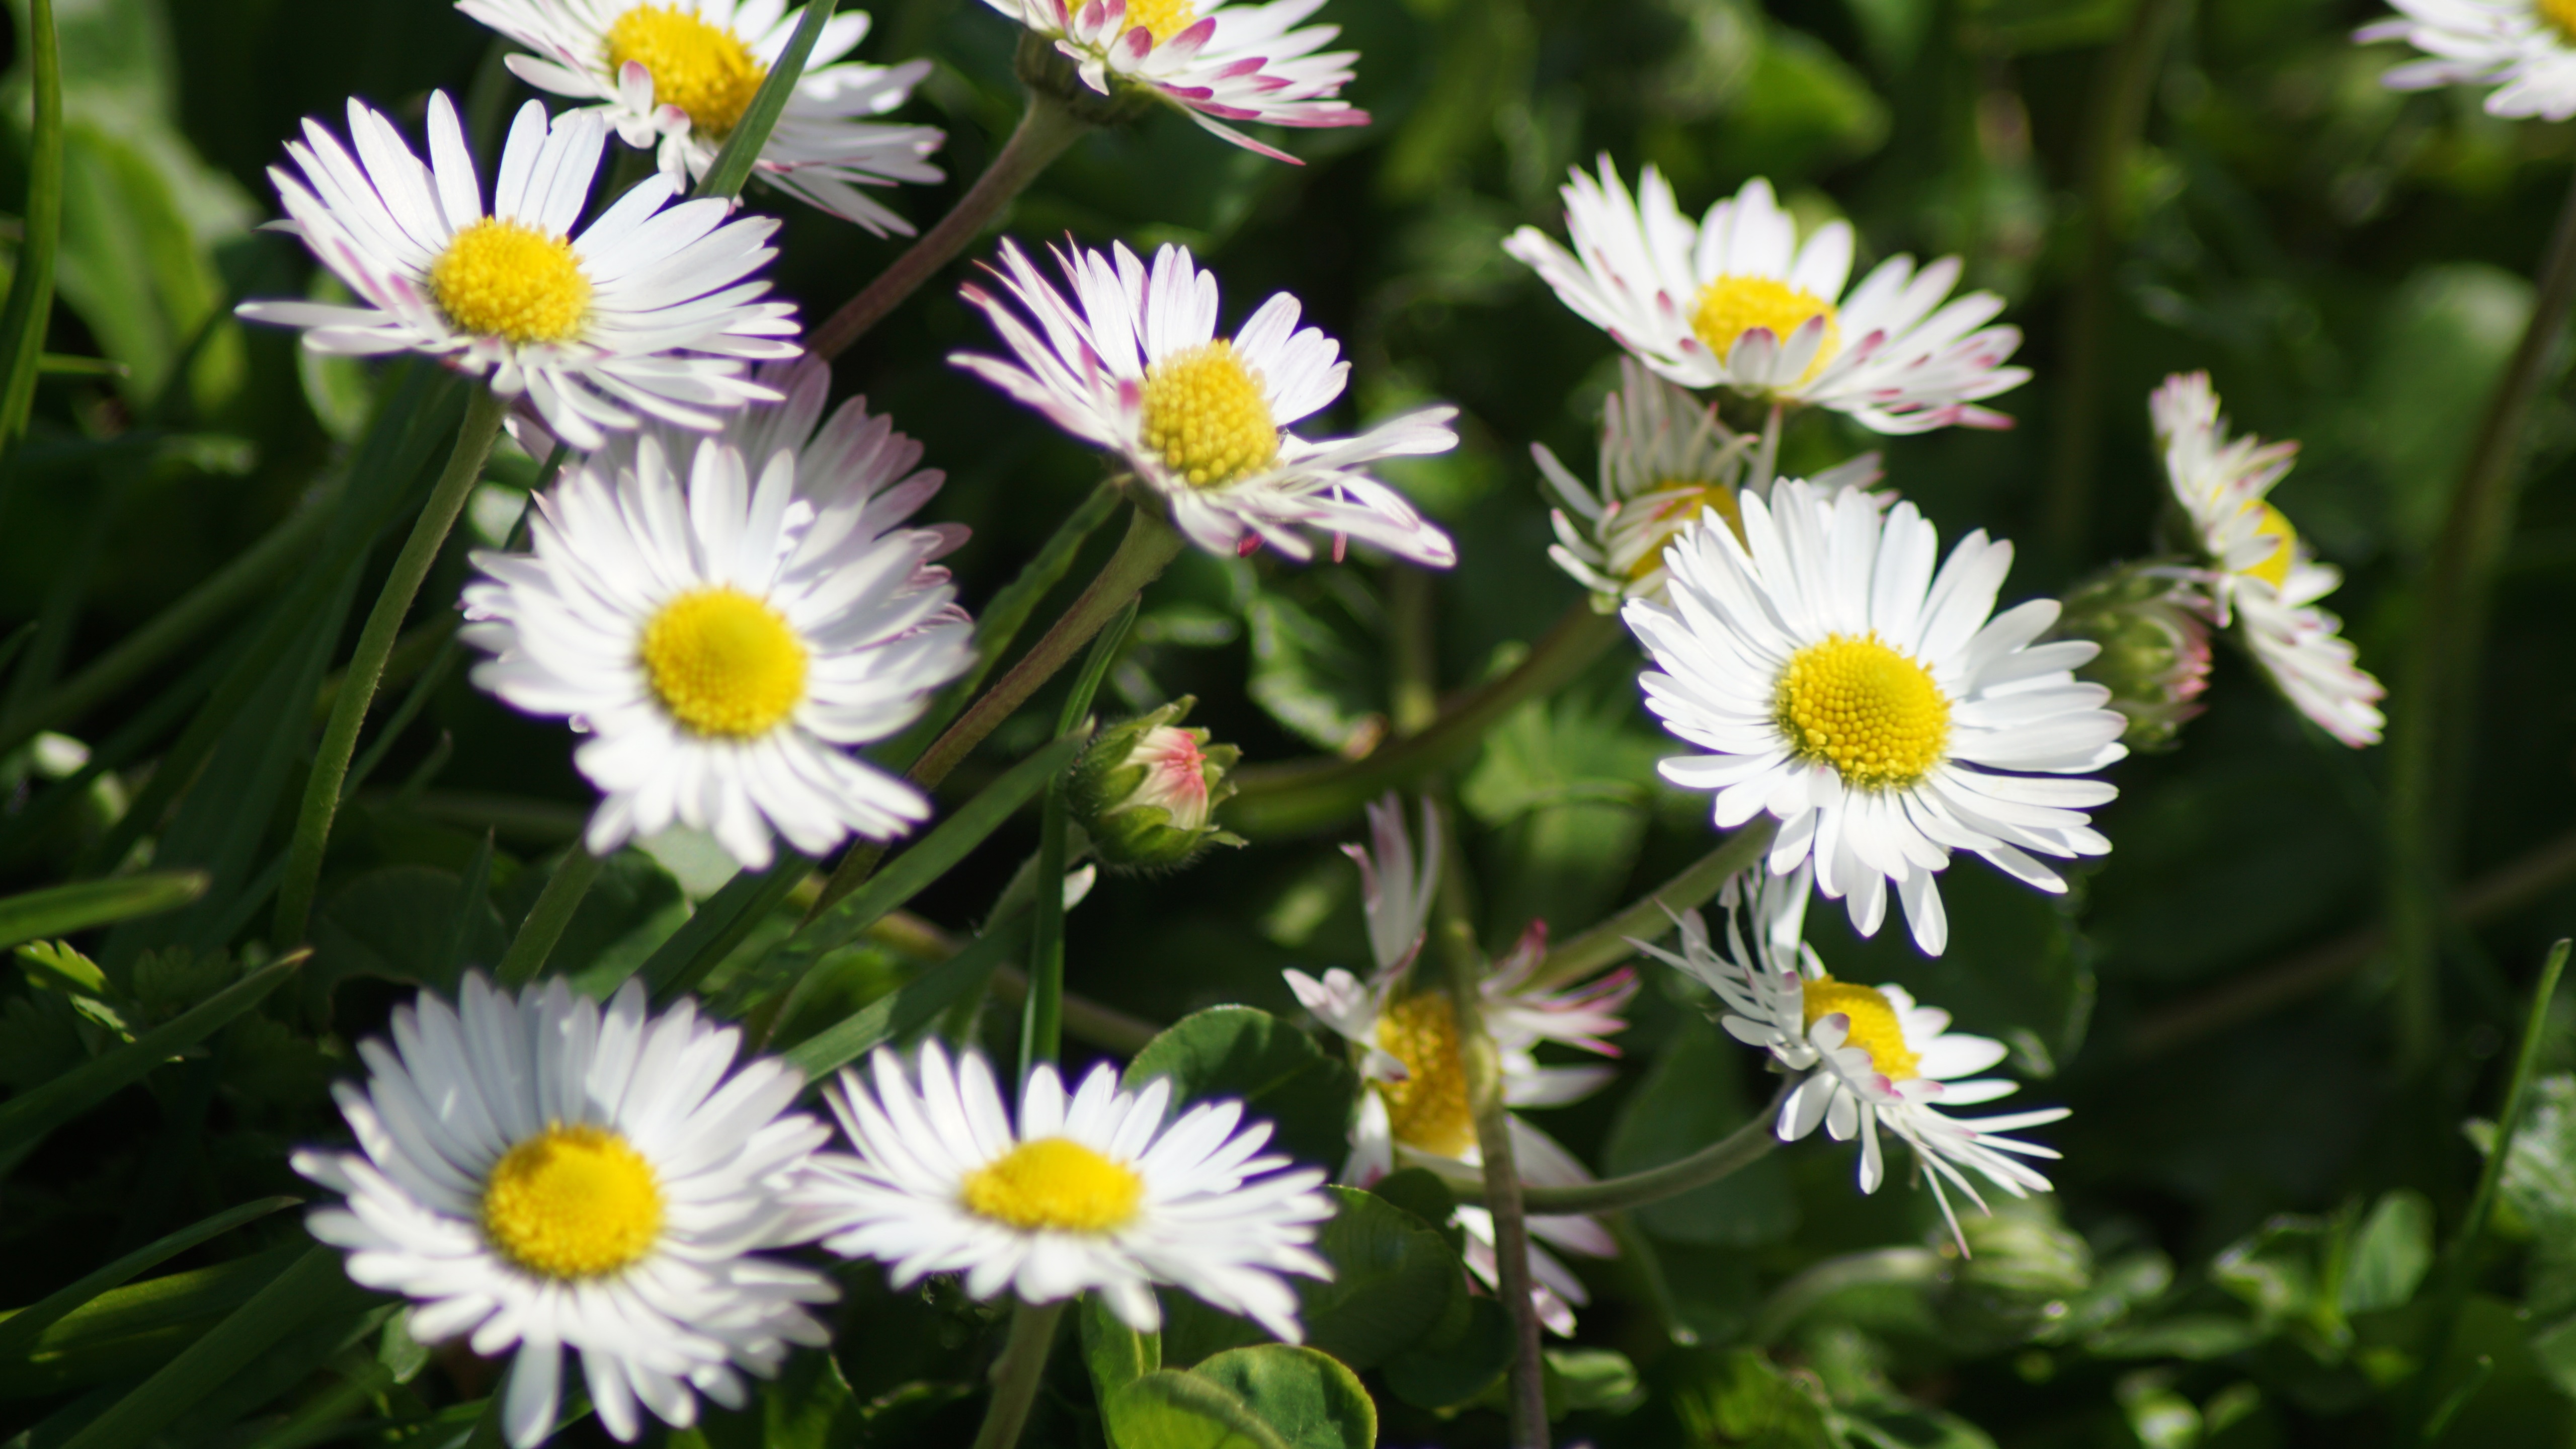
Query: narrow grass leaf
x,y
20,1330
907,1008
742,148
61,910
31,287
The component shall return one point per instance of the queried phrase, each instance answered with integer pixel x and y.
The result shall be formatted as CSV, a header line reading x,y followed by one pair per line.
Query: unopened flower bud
x,y
1145,790
2154,633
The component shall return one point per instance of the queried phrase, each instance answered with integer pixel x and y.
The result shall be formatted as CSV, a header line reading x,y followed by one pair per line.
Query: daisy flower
x,y
1217,62
1840,685
1865,1057
2526,48
1133,363
677,78
2263,578
1738,302
536,1171
725,643
1089,1193
644,314
1415,1111
1665,457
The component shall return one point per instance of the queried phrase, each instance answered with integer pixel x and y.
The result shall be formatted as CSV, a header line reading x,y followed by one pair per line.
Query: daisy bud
x,y
2154,633
1145,790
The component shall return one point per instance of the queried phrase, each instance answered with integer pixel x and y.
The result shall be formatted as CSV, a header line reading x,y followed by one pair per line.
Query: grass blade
x,y
20,1330
61,910
742,148
907,1008
708,936
31,290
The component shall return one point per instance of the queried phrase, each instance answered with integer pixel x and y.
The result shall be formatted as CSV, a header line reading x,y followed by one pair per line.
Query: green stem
x,y
1309,795
1648,919
546,920
1017,1375
1045,131
31,290
1731,1154
376,641
1042,1021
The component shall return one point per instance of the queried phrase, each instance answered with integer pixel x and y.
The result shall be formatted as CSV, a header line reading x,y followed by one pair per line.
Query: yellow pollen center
x,y
703,69
724,663
1670,517
1872,712
1874,1028
507,279
1055,1182
1162,19
1735,304
1206,416
572,1202
2561,16
2274,567
1428,1110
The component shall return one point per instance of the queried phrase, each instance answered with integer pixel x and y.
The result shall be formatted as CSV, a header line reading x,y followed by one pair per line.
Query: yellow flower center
x,y
1206,416
1735,304
1874,1027
724,663
507,279
2274,567
1875,714
1669,518
1054,1182
2561,17
703,69
1162,19
572,1202
1428,1110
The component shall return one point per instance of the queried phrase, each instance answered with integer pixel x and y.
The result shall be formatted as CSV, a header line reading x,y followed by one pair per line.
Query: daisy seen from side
x,y
676,77
1739,301
1088,1192
541,1175
1132,362
2525,49
651,311
1221,64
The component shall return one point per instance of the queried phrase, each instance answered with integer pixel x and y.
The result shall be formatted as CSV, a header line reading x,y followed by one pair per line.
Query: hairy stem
x,y
1017,1374
1042,1023
1731,1154
1649,918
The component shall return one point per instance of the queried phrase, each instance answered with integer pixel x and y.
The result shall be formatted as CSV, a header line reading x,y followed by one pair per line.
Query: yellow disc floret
x,y
2561,17
2274,567
1735,304
1685,498
1427,1110
572,1202
1207,417
1055,1182
724,663
509,280
1874,1027
1873,713
703,69
1162,19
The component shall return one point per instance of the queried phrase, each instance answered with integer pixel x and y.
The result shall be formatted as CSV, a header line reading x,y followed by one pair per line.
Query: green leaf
x,y
2390,1255
127,1332
1116,1354
396,924
2539,1186
907,1008
61,910
1393,1282
1911,1427
808,1406
719,924
1740,1397
1307,676
1802,108
1170,1409
1275,1070
1588,1380
1307,1398
1693,1097
1459,1364
20,1330
31,285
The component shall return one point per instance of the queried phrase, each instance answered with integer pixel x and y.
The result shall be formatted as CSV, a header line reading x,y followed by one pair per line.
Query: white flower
x,y
677,75
1665,456
1134,364
2528,47
724,643
2262,576
1091,1193
1839,684
1737,302
644,314
539,1172
1867,1057
1416,1111
1218,63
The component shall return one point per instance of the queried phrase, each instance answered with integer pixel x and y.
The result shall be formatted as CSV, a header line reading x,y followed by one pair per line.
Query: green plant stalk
x,y
1042,1016
1018,1372
1149,546
1502,1193
482,424
2435,695
1046,130
31,289
1720,1160
741,152
1303,796
1648,919
546,919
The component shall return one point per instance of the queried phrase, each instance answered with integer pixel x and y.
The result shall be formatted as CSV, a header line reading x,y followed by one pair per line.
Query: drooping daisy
x,y
1738,302
1217,62
1089,1193
645,314
1869,1057
2525,48
678,76
1839,684
725,643
1416,1111
537,1172
1133,363
1665,456
2263,577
